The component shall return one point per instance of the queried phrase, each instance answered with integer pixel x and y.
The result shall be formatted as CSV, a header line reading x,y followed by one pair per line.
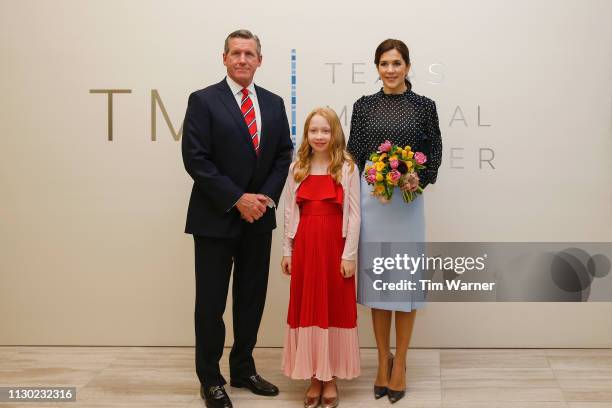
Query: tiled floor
x,y
452,378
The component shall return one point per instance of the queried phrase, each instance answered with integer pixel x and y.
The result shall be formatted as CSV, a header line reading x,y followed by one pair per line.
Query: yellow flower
x,y
374,158
394,157
407,148
404,154
379,189
379,176
410,155
380,166
409,164
382,156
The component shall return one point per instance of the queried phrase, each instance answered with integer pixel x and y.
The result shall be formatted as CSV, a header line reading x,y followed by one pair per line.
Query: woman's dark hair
x,y
391,44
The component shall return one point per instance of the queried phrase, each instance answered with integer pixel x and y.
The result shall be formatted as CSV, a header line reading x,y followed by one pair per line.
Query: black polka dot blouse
x,y
404,119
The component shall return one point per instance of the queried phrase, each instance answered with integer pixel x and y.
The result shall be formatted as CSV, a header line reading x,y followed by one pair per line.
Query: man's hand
x,y
347,268
252,206
265,199
286,265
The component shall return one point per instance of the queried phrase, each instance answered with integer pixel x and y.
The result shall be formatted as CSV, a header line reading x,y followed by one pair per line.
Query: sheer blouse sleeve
x,y
357,139
430,174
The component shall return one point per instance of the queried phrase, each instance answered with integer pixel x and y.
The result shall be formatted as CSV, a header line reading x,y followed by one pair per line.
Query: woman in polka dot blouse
x,y
397,114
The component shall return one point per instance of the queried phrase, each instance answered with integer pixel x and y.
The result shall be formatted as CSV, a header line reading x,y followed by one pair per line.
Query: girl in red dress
x,y
322,223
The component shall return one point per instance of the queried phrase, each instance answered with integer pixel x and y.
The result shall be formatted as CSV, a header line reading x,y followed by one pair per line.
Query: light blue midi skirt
x,y
388,231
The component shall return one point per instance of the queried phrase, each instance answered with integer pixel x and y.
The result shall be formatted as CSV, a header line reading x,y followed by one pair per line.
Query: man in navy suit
x,y
237,148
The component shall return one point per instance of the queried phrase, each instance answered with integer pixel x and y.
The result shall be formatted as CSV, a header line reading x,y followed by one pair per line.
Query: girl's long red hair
x,y
337,147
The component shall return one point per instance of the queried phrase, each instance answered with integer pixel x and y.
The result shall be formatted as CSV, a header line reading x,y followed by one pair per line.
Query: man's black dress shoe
x,y
215,397
256,384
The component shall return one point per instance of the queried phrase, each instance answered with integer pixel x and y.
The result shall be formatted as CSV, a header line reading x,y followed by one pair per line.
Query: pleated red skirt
x,y
321,336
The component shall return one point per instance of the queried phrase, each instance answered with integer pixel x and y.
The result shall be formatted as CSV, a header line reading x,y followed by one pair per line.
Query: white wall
x,y
91,243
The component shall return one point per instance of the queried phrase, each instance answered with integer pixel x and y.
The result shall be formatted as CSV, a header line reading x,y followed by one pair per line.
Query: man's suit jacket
x,y
220,157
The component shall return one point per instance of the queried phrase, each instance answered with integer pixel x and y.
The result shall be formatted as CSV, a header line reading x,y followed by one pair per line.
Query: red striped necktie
x,y
248,113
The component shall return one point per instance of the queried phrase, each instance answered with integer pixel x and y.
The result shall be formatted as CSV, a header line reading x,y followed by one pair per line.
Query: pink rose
x,y
371,178
372,171
395,175
394,164
385,147
420,158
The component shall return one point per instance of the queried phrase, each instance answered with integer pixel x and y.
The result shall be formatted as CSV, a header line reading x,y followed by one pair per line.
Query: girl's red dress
x,y
321,336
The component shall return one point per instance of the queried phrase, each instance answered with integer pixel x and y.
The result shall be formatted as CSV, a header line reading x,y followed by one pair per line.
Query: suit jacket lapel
x,y
230,104
264,110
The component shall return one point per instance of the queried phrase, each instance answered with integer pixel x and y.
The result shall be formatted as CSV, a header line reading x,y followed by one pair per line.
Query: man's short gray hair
x,y
245,34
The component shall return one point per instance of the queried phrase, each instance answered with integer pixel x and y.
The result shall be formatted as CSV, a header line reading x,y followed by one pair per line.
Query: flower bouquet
x,y
393,166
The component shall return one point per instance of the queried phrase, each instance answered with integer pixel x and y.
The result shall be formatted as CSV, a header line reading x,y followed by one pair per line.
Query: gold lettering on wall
x,y
156,100
110,93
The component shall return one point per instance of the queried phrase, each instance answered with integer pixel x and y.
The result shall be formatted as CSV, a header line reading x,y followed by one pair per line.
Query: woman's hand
x,y
411,184
347,268
286,265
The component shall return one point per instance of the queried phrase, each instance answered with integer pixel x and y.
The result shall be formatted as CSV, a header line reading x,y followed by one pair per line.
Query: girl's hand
x,y
347,268
286,265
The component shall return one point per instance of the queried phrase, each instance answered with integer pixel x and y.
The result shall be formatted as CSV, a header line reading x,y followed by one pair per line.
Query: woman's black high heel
x,y
380,392
394,395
